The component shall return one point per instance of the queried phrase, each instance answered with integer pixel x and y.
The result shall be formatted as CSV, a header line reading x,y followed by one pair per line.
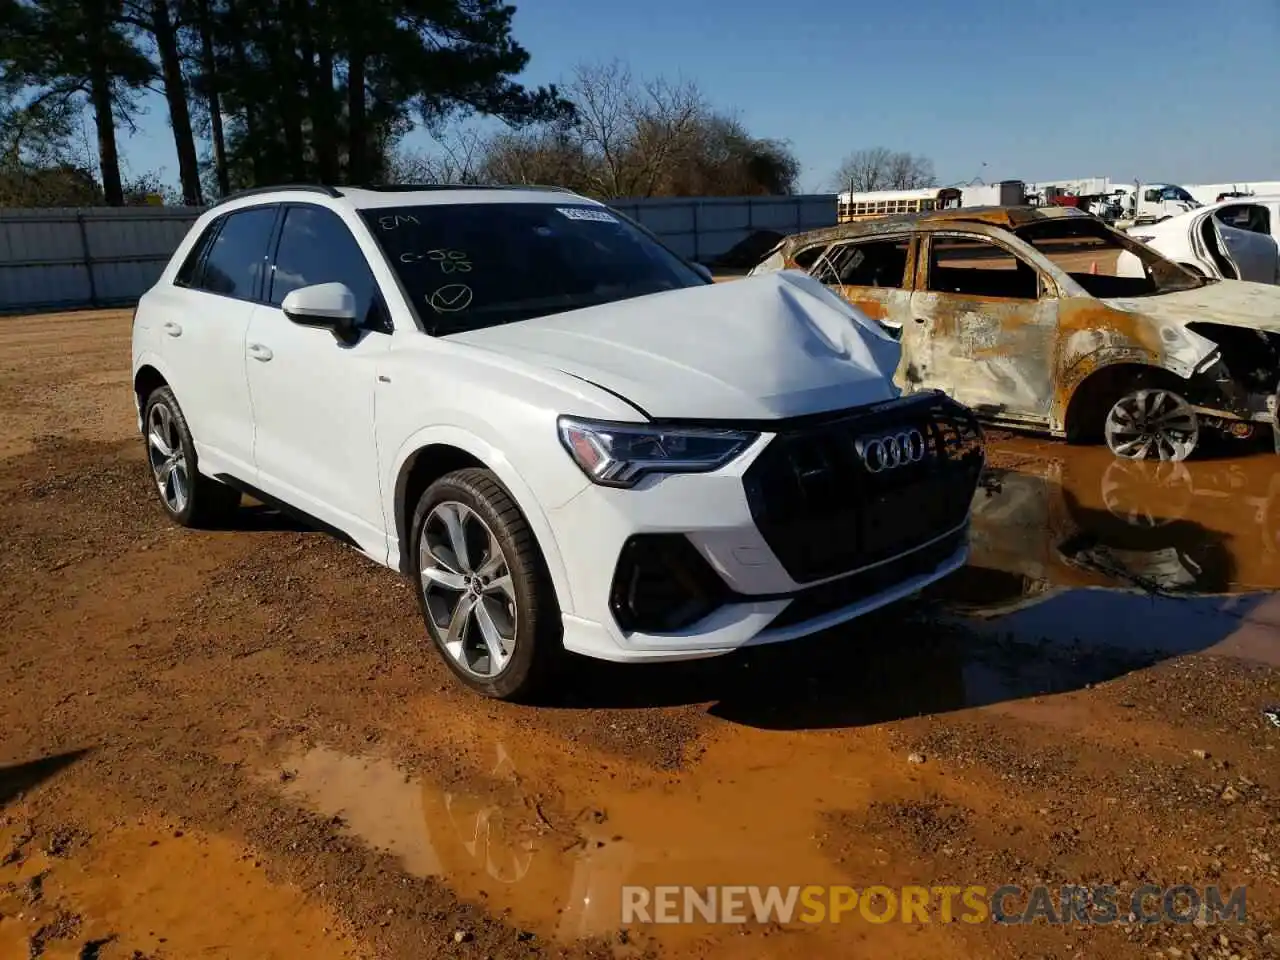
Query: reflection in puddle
x,y
495,842
1085,549
743,818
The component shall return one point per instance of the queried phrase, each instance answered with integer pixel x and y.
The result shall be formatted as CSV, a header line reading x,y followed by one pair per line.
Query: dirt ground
x,y
238,743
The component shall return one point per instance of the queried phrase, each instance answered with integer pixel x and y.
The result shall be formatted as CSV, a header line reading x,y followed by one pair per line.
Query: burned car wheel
x,y
1152,424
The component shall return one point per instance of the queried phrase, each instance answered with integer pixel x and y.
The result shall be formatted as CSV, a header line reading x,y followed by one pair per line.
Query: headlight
x,y
620,454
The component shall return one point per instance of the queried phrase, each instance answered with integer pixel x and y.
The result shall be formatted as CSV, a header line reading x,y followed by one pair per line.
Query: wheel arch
x,y
1082,407
146,381
149,375
437,452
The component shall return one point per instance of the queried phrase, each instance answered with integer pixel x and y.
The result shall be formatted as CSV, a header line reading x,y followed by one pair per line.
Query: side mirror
x,y
328,305
702,272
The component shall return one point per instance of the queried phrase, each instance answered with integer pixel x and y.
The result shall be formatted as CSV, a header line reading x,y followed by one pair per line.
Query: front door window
x,y
980,329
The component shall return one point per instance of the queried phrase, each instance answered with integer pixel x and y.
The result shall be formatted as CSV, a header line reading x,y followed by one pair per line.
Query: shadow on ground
x,y
17,779
1056,597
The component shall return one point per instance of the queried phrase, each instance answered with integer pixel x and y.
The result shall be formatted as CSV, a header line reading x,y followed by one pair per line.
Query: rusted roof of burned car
x,y
1007,217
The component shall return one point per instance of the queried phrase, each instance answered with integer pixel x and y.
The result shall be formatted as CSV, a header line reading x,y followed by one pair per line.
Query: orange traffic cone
x,y
1093,267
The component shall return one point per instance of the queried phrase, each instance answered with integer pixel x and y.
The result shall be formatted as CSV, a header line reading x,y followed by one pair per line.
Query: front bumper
x,y
765,588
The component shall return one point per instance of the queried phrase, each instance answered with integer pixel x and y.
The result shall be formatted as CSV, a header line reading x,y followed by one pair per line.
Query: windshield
x,y
1104,261
466,266
1175,193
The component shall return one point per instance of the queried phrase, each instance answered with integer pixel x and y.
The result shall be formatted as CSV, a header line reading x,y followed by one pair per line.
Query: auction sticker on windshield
x,y
587,213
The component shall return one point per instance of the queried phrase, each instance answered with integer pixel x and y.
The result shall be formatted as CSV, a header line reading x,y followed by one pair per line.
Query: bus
x,y
883,203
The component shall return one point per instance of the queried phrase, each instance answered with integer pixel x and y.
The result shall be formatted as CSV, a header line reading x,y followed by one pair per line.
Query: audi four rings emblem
x,y
892,450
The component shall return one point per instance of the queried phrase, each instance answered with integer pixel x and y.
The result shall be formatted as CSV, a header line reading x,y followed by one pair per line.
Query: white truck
x,y
1125,204
1153,202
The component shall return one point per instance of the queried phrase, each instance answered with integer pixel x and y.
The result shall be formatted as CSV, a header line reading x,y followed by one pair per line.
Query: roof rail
x,y
298,187
414,187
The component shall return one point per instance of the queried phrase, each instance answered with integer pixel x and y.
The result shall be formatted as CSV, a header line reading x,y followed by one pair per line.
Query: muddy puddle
x,y
1083,570
489,839
1076,550
549,841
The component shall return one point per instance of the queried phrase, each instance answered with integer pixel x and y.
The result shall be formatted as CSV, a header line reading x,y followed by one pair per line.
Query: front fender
x,y
1093,338
495,460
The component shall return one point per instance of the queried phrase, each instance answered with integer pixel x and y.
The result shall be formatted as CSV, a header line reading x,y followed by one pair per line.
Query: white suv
x,y
566,435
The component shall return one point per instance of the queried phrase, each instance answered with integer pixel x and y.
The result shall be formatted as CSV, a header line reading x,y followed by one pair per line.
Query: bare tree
x,y
907,172
633,128
627,138
604,99
879,168
458,158
863,170
550,157
669,120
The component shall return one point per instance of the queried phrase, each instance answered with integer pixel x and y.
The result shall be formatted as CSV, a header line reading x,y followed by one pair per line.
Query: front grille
x,y
823,512
826,597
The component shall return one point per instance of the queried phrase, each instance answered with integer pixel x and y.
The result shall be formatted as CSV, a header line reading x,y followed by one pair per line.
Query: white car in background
x,y
1235,239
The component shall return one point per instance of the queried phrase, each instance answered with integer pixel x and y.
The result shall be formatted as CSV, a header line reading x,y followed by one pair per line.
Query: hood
x,y
1236,303
761,348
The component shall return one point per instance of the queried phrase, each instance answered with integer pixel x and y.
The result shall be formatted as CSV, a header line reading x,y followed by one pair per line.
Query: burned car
x,y
1022,314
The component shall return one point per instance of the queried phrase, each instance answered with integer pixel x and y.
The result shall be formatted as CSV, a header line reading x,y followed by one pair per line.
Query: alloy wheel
x,y
467,585
1152,424
167,457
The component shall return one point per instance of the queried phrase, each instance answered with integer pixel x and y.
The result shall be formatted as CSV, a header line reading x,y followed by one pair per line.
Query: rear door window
x,y
237,259
1246,216
870,263
976,267
189,272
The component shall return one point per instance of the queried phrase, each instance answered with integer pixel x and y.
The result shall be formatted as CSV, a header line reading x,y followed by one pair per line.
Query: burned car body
x,y
1021,314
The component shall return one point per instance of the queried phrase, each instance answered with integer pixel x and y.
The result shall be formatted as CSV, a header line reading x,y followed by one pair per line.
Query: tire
x,y
1151,422
516,662
171,456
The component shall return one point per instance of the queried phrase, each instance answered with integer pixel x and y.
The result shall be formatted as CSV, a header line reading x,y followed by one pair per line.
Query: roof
x,y
1007,217
431,194
411,194
1247,198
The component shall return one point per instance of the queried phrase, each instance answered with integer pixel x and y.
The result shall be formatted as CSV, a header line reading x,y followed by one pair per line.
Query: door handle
x,y
173,329
260,352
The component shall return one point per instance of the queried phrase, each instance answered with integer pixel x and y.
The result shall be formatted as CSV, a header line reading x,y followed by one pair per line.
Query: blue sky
x,y
1175,91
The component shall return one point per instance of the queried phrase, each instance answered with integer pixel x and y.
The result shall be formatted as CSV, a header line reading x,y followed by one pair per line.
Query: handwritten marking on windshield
x,y
450,261
394,220
450,298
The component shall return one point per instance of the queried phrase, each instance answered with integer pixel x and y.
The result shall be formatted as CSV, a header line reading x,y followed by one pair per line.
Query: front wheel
x,y
1152,424
488,603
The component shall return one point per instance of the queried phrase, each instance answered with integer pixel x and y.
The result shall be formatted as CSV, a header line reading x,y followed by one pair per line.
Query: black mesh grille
x,y
823,512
